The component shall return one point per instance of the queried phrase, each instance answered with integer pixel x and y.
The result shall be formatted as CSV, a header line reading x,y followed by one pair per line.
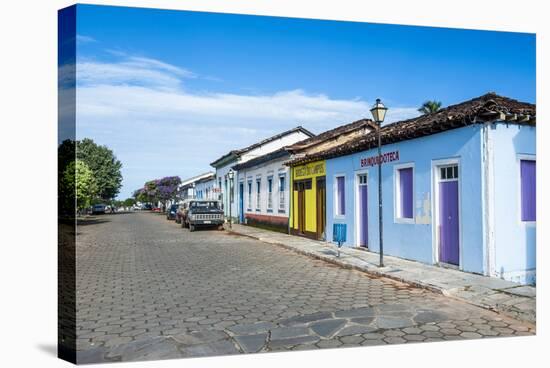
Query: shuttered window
x,y
258,194
528,190
340,196
405,195
281,193
269,193
249,202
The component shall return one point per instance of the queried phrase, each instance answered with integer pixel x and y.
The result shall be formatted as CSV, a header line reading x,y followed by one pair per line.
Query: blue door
x,y
241,203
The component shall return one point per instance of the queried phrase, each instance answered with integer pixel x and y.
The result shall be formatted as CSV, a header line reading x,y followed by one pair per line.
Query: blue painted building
x,y
458,188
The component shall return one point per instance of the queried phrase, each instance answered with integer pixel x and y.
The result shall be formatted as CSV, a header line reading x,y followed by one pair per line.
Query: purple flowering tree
x,y
162,190
167,188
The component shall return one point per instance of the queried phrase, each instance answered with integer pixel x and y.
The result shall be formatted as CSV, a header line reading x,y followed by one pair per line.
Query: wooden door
x,y
321,207
301,210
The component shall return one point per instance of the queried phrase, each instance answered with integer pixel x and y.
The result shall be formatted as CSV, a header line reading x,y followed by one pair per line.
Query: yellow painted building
x,y
308,214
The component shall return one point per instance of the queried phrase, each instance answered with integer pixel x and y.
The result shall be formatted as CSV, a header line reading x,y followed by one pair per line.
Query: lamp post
x,y
378,112
230,174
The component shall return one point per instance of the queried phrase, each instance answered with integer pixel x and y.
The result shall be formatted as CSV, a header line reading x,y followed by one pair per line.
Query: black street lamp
x,y
378,112
230,174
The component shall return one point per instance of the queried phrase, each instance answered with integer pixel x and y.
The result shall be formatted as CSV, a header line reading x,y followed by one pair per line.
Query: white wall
x,y
256,152
205,190
514,241
272,169
274,145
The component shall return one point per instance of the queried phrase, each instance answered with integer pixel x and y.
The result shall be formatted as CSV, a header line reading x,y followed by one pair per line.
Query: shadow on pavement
x,y
91,221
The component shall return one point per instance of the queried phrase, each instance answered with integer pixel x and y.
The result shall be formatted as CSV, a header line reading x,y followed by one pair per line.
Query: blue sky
x,y
170,91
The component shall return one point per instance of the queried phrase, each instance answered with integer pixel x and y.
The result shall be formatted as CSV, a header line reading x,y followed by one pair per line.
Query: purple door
x,y
363,211
448,222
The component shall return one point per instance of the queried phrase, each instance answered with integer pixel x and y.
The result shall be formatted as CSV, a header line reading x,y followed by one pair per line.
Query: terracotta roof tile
x,y
488,107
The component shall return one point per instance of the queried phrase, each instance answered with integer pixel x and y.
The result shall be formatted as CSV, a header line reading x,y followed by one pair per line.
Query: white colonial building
x,y
189,187
205,188
263,191
225,163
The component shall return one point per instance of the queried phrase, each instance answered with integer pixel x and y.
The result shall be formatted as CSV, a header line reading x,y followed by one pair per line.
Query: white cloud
x,y
140,108
84,39
137,71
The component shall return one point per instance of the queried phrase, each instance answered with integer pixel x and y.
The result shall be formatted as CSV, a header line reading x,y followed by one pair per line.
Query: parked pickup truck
x,y
201,213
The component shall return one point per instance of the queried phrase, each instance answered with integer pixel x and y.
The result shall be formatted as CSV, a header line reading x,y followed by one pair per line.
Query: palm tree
x,y
429,107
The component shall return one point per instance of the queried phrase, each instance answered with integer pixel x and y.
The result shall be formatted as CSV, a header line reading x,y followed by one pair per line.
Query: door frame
x,y
436,164
357,209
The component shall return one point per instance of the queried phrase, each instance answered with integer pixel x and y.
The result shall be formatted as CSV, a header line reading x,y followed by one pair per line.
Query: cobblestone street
x,y
148,289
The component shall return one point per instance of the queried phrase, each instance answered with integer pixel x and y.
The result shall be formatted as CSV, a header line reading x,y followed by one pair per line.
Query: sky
x,y
171,91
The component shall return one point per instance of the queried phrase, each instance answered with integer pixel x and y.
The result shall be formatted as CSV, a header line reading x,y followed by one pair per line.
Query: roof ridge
x,y
248,148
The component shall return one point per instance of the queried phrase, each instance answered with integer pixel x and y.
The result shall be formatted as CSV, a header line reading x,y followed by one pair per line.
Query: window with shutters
x,y
404,192
282,198
249,199
340,196
258,193
270,193
528,188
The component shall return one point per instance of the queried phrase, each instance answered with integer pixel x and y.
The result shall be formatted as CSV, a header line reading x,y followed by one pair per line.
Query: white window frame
x,y
523,157
269,193
258,194
282,195
335,196
249,195
397,218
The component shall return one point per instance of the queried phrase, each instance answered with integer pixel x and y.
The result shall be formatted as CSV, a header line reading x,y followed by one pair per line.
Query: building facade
x,y
459,192
227,187
309,200
308,180
205,188
263,191
188,189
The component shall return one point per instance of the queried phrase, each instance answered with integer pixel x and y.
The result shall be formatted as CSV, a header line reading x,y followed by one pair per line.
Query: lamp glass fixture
x,y
378,111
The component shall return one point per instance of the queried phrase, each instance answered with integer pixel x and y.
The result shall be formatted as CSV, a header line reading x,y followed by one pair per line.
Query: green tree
x,y
65,195
104,165
80,180
129,202
429,107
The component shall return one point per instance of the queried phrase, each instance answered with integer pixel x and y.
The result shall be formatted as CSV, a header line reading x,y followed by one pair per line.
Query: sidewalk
x,y
515,300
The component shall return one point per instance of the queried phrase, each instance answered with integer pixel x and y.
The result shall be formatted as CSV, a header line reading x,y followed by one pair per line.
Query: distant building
x,y
205,187
263,191
234,157
188,187
308,180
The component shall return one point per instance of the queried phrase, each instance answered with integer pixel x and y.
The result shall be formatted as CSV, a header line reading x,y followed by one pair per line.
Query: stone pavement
x,y
148,289
515,300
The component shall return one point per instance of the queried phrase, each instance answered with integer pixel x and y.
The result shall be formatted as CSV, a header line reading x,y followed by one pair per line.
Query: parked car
x,y
171,212
98,209
181,212
203,213
156,209
147,207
